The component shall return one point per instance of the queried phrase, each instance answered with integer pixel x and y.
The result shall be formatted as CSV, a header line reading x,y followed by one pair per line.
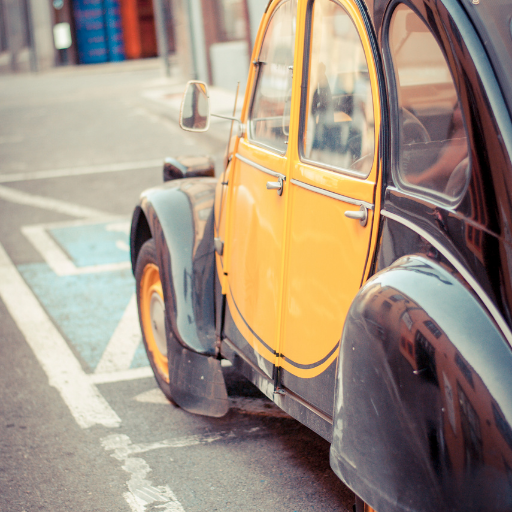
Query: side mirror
x,y
195,107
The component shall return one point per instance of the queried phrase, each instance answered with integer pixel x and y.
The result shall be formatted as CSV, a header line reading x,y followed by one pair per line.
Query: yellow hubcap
x,y
153,318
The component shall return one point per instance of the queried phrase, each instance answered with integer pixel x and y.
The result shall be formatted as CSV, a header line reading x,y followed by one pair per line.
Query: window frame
x,y
375,90
424,193
255,82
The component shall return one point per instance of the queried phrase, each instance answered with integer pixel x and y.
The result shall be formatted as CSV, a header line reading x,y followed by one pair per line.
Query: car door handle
x,y
276,185
361,215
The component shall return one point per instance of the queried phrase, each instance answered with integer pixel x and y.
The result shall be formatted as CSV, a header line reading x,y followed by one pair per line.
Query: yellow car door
x,y
257,204
332,217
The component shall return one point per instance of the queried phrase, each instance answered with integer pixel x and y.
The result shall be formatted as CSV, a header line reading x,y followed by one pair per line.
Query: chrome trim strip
x,y
338,170
285,391
493,310
241,355
332,195
307,405
260,167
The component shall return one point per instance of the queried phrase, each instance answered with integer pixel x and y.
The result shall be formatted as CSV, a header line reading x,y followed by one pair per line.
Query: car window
x,y
269,117
338,122
433,153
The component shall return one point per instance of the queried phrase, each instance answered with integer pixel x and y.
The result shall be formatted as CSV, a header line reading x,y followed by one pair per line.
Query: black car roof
x,y
492,21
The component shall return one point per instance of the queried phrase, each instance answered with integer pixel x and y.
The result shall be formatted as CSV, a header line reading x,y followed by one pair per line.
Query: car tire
x,y
151,305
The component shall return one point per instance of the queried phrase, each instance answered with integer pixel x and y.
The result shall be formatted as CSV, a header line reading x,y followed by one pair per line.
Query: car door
x,y
332,186
256,227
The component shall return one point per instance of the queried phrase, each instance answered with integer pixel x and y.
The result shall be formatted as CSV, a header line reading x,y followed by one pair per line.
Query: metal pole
x,y
161,32
30,36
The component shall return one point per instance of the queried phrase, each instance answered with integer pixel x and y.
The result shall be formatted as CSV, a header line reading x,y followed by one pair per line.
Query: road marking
x,y
64,372
79,171
142,493
131,374
240,404
121,348
56,258
76,251
123,447
153,396
47,203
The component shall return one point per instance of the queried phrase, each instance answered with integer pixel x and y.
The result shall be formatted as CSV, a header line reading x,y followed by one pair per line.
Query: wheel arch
x,y
178,215
140,233
422,409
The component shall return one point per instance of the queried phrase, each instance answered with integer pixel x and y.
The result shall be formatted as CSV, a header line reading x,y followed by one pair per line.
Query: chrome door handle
x,y
276,185
361,215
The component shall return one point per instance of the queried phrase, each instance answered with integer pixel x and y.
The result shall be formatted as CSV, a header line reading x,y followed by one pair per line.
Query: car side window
x,y
433,156
338,122
269,115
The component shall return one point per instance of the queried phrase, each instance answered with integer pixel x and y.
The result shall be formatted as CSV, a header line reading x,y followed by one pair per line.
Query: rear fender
x,y
179,216
423,406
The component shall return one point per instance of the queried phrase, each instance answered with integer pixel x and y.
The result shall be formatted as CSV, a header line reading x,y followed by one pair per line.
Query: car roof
x,y
492,22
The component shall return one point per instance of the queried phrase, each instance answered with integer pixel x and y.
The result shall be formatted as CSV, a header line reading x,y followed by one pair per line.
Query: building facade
x,y
210,40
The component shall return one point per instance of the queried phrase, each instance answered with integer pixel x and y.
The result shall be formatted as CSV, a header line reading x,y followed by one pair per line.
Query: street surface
x,y
83,426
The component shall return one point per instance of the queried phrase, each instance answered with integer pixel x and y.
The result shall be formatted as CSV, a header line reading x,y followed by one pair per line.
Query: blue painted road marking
x,y
95,244
88,307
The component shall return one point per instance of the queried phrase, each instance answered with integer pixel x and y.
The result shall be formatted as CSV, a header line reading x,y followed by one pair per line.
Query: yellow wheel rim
x,y
152,309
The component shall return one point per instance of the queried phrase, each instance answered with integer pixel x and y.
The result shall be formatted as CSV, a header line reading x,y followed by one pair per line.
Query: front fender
x,y
180,219
179,216
423,407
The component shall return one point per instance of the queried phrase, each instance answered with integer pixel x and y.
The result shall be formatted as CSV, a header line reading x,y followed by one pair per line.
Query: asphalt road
x,y
83,426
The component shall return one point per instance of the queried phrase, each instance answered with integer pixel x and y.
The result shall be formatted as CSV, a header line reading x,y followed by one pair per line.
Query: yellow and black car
x,y
354,259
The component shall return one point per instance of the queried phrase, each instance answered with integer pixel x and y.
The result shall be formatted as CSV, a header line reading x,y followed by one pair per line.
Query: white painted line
x,y
132,374
152,396
56,258
79,171
143,495
64,372
240,404
118,355
123,446
47,203
181,442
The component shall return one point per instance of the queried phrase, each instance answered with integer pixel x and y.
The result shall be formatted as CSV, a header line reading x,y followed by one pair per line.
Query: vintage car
x,y
354,259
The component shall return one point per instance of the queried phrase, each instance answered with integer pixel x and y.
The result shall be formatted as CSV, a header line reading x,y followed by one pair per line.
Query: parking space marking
x,y
142,492
120,351
79,171
47,203
86,286
243,405
58,260
131,374
87,308
64,372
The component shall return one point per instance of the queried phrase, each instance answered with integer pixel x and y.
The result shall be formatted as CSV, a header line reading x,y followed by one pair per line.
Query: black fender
x,y
423,406
179,216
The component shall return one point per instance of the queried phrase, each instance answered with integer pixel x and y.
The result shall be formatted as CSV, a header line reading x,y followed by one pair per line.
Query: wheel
x,y
150,301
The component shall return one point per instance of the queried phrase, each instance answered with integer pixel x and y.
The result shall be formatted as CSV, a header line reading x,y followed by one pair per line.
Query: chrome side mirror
x,y
195,107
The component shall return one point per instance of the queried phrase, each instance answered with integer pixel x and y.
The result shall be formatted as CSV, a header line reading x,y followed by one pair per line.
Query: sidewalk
x,y
163,97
